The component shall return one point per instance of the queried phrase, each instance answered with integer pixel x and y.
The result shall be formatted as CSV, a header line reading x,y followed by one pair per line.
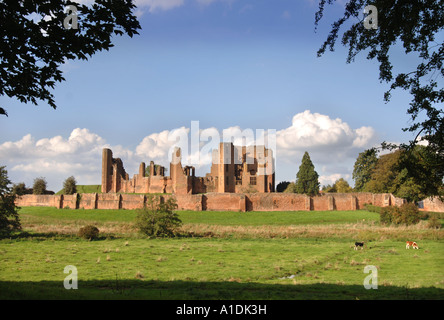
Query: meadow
x,y
221,255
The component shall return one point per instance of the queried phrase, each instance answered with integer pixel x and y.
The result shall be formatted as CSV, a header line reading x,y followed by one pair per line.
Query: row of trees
x,y
40,187
412,174
408,174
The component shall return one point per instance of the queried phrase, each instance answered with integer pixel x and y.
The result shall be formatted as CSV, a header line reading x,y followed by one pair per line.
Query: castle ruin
x,y
234,169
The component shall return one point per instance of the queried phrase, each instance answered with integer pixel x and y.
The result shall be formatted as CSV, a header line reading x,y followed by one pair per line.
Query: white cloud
x,y
55,158
332,144
158,5
321,134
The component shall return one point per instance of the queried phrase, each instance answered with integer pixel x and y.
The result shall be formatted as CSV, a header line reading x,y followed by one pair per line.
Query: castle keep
x,y
234,169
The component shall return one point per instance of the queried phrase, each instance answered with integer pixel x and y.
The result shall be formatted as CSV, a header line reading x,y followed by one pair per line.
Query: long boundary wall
x,y
225,201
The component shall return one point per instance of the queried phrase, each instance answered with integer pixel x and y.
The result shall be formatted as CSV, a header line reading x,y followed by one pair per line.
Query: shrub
x,y
157,218
89,232
386,214
434,223
407,214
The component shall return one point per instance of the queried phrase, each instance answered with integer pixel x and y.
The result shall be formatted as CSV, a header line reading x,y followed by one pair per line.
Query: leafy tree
x,y
291,188
9,218
384,174
342,186
70,185
406,174
307,178
417,26
39,186
35,41
19,189
363,168
329,188
157,218
281,186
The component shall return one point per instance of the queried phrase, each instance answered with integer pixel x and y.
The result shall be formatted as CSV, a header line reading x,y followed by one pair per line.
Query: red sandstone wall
x,y
189,202
321,203
132,201
223,201
433,205
226,201
88,201
277,202
69,201
32,200
108,201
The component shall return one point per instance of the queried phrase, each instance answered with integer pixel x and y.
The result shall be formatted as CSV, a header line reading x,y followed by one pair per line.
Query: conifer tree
x,y
307,178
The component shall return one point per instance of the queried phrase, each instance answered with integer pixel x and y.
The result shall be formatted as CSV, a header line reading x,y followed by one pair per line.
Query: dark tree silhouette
x,y
417,25
37,37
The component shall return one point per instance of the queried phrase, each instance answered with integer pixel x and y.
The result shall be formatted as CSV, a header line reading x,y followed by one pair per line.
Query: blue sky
x,y
224,63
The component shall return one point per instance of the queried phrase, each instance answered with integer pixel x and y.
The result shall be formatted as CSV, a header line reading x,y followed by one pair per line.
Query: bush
x,y
157,218
434,223
386,214
70,186
407,214
89,232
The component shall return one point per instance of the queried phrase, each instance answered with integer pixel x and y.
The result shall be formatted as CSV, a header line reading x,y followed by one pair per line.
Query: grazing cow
x,y
411,244
359,244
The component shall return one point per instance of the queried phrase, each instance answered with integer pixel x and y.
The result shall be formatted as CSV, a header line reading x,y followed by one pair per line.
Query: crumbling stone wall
x,y
234,170
222,201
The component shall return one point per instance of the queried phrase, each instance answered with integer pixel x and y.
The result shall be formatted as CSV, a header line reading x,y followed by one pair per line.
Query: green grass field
x,y
221,255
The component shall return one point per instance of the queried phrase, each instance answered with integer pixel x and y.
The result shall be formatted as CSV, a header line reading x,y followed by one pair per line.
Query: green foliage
x,y
282,186
291,188
434,223
363,168
70,186
416,26
36,49
307,178
157,218
404,173
328,188
407,214
88,232
340,186
19,189
39,186
386,214
9,217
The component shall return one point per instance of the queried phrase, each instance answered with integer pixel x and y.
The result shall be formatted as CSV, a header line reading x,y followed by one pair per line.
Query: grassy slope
x,y
86,189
